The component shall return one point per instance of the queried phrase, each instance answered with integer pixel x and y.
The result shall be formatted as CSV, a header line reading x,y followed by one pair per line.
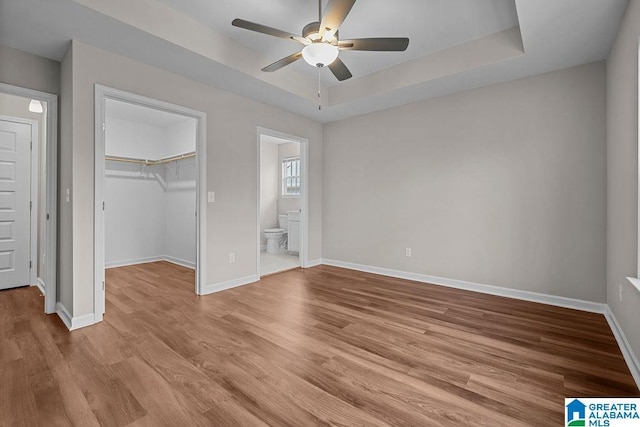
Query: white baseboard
x,y
629,356
173,260
314,263
40,285
181,262
229,284
627,352
576,304
73,323
126,262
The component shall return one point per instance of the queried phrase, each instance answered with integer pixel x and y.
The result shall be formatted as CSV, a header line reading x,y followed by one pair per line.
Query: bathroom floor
x,y
273,263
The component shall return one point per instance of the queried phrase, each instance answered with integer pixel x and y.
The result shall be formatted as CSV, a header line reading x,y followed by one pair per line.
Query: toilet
x,y
277,237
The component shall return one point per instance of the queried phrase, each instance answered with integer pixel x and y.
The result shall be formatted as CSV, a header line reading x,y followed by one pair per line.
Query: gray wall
x,y
23,69
622,174
503,185
231,163
65,213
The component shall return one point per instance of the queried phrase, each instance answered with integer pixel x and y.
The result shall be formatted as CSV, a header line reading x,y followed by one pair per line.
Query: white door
x,y
15,200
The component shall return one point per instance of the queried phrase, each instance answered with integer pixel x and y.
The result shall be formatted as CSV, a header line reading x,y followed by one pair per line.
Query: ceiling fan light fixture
x,y
320,54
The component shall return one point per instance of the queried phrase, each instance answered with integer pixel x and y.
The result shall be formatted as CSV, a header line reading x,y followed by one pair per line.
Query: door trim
x,y
51,189
101,94
304,197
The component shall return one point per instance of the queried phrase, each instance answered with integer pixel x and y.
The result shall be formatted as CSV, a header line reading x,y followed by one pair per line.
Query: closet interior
x,y
150,186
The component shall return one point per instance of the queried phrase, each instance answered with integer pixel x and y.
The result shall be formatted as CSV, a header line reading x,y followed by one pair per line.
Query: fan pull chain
x,y
319,89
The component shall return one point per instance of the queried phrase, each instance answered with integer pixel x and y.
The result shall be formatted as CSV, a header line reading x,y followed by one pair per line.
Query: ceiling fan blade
x,y
259,28
395,44
283,62
340,70
334,15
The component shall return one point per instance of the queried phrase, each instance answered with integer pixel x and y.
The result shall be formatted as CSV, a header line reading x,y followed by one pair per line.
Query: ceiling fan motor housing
x,y
311,31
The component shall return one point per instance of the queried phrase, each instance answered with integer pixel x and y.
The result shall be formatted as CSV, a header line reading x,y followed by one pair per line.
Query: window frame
x,y
283,187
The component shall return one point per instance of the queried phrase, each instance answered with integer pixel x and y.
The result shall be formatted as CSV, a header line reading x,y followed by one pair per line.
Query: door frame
x,y
34,174
304,196
51,190
102,93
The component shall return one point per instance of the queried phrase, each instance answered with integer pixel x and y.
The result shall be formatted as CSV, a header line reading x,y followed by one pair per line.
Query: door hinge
x,y
102,205
30,264
47,217
103,285
104,127
31,145
30,205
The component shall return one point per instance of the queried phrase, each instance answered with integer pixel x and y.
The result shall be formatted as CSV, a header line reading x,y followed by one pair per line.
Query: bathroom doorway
x,y
281,202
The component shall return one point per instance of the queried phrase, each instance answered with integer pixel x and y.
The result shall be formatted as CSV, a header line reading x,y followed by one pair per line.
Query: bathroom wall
x,y
289,149
269,189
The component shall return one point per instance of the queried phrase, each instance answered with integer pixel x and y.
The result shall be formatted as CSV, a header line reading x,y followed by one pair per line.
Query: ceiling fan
x,y
321,41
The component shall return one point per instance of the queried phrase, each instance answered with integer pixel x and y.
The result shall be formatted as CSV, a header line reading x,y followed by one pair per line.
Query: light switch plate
x,y
211,196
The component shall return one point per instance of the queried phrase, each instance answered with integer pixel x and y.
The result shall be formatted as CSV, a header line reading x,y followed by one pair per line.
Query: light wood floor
x,y
323,346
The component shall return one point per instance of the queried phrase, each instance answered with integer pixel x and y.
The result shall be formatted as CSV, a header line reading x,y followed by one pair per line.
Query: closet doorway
x,y
148,175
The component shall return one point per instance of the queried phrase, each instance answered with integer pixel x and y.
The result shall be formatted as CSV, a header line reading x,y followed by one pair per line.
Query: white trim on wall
x,y
49,277
304,193
136,261
230,284
40,285
314,263
145,260
577,304
638,173
73,323
101,94
626,349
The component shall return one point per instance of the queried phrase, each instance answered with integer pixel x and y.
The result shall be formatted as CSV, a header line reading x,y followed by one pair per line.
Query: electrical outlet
x,y
620,292
232,257
407,252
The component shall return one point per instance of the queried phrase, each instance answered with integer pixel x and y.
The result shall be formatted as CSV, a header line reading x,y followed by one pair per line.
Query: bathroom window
x,y
291,177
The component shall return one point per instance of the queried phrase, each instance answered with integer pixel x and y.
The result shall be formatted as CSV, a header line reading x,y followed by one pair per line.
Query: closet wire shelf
x,y
148,162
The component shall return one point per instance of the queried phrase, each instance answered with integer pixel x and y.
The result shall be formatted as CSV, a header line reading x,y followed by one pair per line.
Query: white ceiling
x,y
455,45
430,25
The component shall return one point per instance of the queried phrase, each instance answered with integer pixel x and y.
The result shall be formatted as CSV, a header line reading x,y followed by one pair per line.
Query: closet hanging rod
x,y
151,162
